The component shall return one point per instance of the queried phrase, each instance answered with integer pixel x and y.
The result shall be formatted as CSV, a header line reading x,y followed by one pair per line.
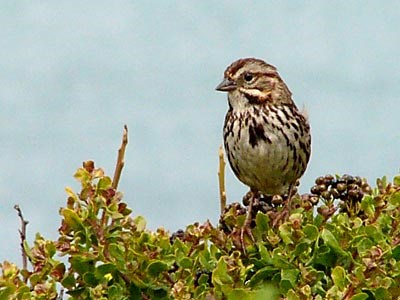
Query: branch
x,y
22,234
120,160
221,179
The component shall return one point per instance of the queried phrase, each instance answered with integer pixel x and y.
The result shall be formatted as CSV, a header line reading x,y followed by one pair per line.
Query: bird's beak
x,y
226,85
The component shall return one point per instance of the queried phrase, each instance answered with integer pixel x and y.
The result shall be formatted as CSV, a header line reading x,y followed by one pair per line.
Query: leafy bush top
x,y
346,249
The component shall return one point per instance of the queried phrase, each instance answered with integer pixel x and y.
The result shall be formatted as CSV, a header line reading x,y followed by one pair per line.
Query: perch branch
x,y
22,234
121,158
221,179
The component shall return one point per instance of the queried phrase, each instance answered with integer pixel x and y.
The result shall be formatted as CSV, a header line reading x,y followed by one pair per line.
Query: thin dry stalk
x,y
121,158
22,234
221,179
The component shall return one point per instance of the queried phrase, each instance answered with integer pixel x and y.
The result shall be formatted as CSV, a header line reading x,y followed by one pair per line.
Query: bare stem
x,y
22,234
120,160
221,179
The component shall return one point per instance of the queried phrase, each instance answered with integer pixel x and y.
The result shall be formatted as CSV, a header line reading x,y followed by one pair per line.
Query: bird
x,y
267,139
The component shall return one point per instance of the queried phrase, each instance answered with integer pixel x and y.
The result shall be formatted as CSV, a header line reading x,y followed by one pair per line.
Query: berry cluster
x,y
260,203
179,234
346,188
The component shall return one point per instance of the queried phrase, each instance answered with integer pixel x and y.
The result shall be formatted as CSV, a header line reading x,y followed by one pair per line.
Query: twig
x,y
221,179
120,160
22,234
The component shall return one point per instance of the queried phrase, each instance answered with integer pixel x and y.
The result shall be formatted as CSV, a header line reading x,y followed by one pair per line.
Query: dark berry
x,y
320,180
315,190
348,178
179,234
277,200
326,194
335,193
341,187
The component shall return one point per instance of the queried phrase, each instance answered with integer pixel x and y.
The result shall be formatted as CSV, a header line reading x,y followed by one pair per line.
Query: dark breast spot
x,y
257,134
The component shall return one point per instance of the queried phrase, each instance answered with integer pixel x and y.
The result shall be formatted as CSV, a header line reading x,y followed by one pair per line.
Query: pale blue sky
x,y
72,73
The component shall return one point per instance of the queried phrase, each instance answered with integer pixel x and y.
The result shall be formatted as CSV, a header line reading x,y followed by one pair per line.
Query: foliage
x,y
339,251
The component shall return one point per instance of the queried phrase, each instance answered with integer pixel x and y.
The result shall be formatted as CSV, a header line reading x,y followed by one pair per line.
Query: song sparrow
x,y
267,139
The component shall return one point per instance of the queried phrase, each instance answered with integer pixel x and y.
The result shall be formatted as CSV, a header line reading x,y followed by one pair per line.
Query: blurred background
x,y
73,73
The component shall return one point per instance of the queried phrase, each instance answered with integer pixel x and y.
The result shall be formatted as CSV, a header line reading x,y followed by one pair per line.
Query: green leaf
x,y
239,294
157,293
263,274
138,281
396,253
220,274
331,242
311,232
206,261
23,292
204,279
104,183
360,296
364,245
264,253
342,220
291,295
6,292
180,247
82,176
50,248
280,262
324,256
318,220
262,222
368,205
268,292
339,277
72,219
285,232
382,293
140,223
301,248
71,193
375,233
117,252
69,281
156,267
382,181
82,264
396,180
395,199
104,269
114,292
185,263
90,279
290,276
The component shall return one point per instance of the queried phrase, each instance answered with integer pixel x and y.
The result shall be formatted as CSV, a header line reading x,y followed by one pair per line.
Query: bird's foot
x,y
250,199
281,216
245,231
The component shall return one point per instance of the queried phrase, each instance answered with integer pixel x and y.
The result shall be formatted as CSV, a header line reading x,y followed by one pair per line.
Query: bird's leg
x,y
286,207
246,229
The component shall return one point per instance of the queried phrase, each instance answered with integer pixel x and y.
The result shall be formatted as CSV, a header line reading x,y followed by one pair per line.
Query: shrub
x,y
346,248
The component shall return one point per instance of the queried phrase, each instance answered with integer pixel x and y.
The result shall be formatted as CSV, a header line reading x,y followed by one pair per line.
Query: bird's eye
x,y
248,77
